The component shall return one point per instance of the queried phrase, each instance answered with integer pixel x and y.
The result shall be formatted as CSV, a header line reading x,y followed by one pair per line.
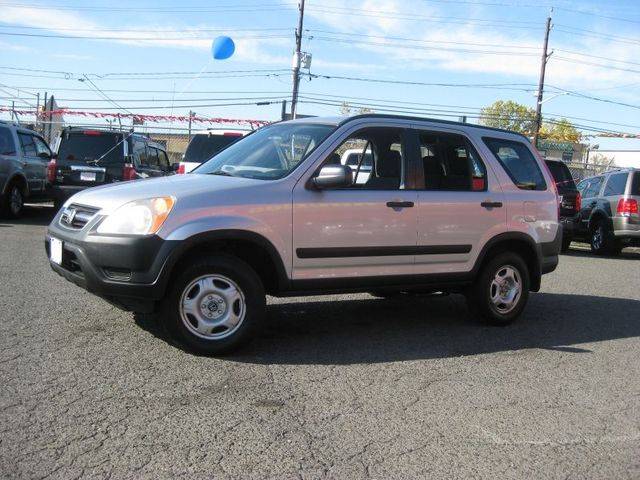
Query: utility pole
x,y
44,117
283,112
296,60
190,117
37,111
543,66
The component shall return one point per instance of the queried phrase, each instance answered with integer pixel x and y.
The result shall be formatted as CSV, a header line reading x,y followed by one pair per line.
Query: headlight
x,y
140,217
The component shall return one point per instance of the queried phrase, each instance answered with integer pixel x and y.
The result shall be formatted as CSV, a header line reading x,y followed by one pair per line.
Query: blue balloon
x,y
222,48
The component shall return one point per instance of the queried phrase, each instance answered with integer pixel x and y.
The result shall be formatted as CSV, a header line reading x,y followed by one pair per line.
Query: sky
x,y
454,57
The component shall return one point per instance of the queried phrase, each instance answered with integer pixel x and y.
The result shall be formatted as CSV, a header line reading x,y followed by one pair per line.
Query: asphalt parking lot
x,y
335,387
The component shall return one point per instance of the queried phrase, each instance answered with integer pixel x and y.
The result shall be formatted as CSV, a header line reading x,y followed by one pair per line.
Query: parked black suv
x,y
90,157
570,200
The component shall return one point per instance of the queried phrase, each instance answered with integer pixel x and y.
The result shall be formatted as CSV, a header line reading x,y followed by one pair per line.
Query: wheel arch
x,y
17,178
254,249
598,215
517,242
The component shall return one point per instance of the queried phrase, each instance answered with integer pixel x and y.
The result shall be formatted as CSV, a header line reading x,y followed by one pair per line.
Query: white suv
x,y
447,207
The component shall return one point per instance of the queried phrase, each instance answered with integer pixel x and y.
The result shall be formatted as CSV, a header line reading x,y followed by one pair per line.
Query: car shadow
x,y
34,214
336,331
583,250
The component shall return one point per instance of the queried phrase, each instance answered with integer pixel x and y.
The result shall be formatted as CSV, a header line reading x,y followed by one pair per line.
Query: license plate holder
x,y
88,176
55,250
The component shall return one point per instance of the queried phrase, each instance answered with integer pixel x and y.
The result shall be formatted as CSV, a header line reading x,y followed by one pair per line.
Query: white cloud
x,y
66,23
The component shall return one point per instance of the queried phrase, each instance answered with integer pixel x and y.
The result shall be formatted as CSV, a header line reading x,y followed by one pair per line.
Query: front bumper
x,y
128,271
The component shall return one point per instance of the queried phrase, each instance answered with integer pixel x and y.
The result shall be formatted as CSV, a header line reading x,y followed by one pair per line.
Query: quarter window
x,y
616,184
7,145
450,163
518,162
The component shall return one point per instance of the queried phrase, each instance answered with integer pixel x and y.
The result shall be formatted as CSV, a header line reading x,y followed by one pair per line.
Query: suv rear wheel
x,y
501,290
214,305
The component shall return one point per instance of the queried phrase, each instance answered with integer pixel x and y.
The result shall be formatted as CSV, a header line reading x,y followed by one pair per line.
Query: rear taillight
x,y
51,170
129,172
181,169
578,204
627,206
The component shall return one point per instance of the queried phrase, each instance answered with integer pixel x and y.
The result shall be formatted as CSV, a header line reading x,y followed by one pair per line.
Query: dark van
x,y
91,157
570,200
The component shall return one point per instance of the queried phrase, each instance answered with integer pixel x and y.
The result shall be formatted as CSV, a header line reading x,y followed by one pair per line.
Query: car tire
x,y
214,305
500,292
602,241
12,203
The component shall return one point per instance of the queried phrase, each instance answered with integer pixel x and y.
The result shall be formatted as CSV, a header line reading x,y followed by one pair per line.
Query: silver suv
x,y
446,207
24,156
609,219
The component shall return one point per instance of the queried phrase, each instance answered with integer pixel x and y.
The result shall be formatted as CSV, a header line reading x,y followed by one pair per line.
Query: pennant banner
x,y
142,117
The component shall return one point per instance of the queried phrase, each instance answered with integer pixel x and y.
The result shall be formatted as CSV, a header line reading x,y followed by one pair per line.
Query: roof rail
x,y
427,119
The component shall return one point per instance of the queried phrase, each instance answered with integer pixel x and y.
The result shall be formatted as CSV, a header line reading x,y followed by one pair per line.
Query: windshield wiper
x,y
221,172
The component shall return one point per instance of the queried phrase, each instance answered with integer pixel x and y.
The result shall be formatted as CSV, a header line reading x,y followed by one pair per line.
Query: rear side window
x,y
518,162
450,163
616,184
28,145
561,174
7,145
590,187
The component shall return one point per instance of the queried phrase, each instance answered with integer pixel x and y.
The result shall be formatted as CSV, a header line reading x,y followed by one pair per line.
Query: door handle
x,y
491,204
399,204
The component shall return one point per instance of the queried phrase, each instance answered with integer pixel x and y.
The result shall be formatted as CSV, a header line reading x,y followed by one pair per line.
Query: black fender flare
x,y
227,235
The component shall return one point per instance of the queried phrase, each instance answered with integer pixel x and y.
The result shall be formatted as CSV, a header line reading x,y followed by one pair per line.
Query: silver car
x,y
447,207
609,219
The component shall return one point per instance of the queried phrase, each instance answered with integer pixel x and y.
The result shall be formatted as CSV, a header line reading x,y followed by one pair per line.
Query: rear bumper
x,y
62,192
127,271
548,253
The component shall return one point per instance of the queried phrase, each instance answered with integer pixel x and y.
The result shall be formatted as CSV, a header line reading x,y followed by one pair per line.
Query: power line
x,y
158,39
594,64
229,8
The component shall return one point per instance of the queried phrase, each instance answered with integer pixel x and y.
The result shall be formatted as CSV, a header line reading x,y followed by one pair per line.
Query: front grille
x,y
77,216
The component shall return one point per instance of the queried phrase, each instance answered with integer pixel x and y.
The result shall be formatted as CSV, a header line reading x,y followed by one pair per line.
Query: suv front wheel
x,y
214,305
501,290
12,204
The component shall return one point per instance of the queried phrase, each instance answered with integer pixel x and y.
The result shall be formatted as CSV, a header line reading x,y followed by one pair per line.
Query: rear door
x,y
34,166
150,167
460,202
590,190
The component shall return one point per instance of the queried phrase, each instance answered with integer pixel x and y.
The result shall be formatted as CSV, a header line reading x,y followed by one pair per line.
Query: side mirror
x,y
45,156
333,176
174,167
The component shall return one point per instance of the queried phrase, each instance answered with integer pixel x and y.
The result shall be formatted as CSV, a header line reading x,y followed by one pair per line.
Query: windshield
x,y
203,147
269,153
80,148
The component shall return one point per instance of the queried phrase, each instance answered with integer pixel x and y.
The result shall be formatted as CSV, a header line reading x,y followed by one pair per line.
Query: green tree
x,y
560,131
509,115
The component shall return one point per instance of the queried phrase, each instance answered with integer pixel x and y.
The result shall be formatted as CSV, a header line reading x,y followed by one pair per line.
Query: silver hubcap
x,y
505,289
596,241
15,201
212,307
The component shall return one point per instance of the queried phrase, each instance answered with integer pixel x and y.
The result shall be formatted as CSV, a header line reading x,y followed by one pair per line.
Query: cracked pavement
x,y
334,387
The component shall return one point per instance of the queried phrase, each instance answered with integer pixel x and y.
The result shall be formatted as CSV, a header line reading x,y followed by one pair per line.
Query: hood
x,y
181,187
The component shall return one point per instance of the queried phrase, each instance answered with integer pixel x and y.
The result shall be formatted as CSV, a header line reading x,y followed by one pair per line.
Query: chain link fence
x,y
584,170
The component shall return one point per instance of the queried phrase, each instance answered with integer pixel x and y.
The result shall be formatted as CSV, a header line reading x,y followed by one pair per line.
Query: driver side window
x,y
375,157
